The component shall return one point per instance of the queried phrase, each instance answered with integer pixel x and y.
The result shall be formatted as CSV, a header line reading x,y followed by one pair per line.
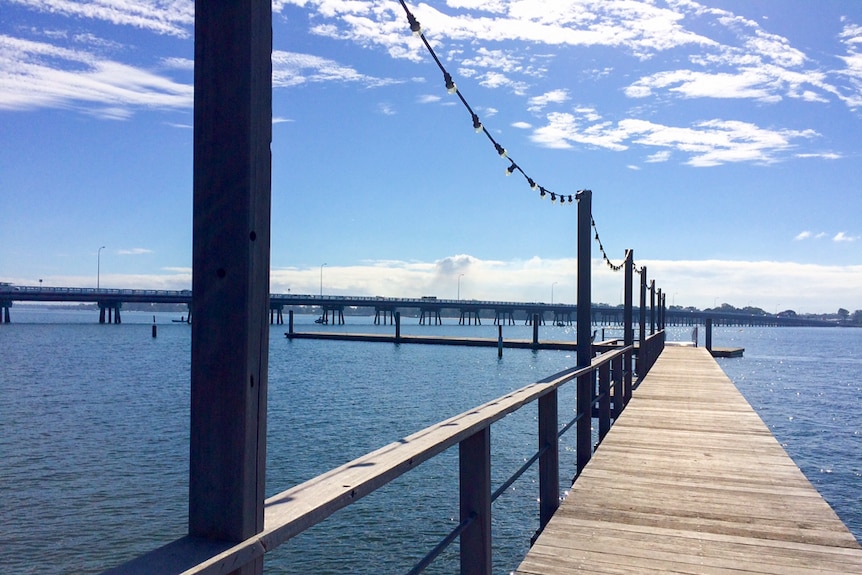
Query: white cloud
x,y
809,288
538,103
843,237
658,157
706,143
134,252
803,235
293,69
522,125
168,17
81,80
428,99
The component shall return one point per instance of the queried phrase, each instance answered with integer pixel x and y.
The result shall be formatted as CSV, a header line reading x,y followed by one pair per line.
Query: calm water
x,y
95,434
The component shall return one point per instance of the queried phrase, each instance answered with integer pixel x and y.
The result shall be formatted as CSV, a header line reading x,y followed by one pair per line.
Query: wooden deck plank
x,y
690,480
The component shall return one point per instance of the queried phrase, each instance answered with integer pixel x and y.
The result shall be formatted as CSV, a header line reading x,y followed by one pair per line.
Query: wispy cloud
x,y
538,103
81,80
294,69
134,251
168,17
843,237
706,143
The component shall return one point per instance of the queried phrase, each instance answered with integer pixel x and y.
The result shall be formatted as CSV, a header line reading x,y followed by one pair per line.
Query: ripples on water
x,y
95,434
806,384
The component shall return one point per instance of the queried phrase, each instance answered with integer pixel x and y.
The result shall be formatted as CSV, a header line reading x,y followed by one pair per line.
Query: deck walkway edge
x,y
690,480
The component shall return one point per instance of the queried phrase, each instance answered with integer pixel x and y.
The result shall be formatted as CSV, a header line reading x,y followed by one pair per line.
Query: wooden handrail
x,y
296,509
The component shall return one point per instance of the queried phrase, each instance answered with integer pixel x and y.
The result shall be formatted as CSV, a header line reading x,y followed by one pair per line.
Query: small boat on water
x,y
321,319
181,320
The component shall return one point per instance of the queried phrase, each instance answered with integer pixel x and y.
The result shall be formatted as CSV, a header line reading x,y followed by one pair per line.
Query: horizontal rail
x,y
294,510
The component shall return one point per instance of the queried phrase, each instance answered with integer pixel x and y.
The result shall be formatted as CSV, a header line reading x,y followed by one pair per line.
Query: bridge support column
x,y
4,311
109,312
467,317
276,314
433,314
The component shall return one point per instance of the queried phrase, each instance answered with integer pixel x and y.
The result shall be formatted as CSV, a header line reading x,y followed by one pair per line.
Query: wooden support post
x,y
230,269
499,341
604,400
651,307
628,323
290,321
475,478
535,330
618,377
549,461
584,347
397,327
708,342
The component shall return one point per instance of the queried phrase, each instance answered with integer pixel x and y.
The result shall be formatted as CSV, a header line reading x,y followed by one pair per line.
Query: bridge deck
x,y
690,480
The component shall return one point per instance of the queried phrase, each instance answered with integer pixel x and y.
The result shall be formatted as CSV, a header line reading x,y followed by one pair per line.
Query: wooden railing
x,y
608,385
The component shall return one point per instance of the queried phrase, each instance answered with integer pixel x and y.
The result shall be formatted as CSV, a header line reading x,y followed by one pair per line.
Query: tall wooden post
x,y
628,323
584,347
549,461
474,456
651,307
230,279
641,363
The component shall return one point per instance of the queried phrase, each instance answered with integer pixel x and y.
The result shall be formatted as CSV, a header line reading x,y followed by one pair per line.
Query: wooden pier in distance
x,y
690,480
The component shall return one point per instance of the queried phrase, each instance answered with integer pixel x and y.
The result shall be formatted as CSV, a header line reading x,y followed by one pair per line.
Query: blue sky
x,y
720,141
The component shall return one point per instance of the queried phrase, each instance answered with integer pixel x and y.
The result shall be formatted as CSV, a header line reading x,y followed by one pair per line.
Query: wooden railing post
x,y
618,376
549,461
586,386
604,400
628,322
475,478
642,324
230,264
652,307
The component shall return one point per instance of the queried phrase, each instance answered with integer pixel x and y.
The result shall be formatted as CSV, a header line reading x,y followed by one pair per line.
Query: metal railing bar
x,y
517,475
440,547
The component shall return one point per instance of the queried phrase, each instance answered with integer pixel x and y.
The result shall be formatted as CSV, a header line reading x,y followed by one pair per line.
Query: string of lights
x,y
610,264
513,167
452,88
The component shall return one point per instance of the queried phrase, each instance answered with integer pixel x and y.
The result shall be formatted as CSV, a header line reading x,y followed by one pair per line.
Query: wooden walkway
x,y
690,480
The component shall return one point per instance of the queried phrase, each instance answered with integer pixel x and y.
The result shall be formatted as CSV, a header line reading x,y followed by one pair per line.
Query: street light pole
x,y
552,292
321,279
459,285
99,265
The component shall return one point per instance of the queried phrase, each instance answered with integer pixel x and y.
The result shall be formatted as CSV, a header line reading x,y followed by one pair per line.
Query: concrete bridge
x,y
427,309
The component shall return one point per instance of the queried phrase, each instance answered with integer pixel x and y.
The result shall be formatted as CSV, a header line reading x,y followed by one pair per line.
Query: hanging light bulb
x,y
553,198
533,185
542,192
501,150
450,85
477,125
511,169
414,24
570,199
